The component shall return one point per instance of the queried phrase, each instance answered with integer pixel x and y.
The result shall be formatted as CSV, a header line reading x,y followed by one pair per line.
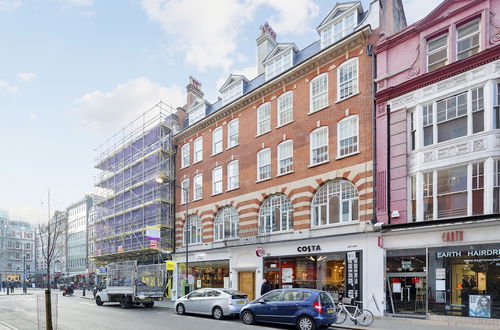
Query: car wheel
x,y
217,313
98,301
149,304
124,303
247,317
64,294
306,323
180,309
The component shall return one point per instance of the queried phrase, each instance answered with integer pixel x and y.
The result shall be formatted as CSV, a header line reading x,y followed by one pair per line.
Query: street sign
x,y
170,265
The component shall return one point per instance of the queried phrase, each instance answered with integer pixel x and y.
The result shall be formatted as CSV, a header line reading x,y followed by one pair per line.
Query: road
x,y
74,313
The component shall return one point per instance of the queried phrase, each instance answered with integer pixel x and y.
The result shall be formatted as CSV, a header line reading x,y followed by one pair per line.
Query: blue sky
x,y
73,72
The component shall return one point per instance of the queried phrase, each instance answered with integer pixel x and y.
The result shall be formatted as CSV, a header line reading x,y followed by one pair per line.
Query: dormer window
x,y
338,29
468,40
232,92
279,64
437,52
197,113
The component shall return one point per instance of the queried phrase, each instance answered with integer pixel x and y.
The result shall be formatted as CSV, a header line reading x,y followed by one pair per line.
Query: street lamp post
x,y
186,231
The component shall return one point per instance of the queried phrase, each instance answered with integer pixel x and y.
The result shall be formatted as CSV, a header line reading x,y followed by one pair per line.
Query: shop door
x,y
407,293
246,284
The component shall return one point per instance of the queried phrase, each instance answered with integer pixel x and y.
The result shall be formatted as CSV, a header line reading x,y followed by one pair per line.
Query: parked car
x,y
215,302
308,309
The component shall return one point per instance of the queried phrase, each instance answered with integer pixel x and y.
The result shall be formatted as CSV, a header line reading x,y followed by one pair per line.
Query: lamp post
x,y
185,191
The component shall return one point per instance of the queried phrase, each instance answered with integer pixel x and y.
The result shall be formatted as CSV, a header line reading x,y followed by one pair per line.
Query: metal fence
x,y
40,304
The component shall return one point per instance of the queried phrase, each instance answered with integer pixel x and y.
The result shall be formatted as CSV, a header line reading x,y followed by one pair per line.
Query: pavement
x,y
138,318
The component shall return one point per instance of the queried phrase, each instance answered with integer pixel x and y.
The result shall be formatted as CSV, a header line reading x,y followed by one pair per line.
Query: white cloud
x,y
28,213
8,87
32,116
208,34
9,5
418,9
26,76
99,110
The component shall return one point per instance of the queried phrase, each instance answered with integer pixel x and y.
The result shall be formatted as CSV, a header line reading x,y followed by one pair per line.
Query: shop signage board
x,y
352,275
170,265
153,233
452,236
440,273
153,244
309,248
468,253
259,251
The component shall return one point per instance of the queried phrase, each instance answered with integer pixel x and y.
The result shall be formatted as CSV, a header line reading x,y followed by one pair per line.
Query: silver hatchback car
x,y
215,302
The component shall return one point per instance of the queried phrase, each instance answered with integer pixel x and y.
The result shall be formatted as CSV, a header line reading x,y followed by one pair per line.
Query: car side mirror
x,y
261,301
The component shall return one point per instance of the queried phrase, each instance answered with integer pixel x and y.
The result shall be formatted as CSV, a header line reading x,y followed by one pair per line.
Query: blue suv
x,y
308,309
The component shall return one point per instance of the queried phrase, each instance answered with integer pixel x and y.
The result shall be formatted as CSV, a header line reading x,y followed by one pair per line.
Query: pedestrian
x,y
4,285
11,284
265,288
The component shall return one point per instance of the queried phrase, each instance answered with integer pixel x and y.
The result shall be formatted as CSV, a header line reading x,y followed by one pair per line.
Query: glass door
x,y
407,293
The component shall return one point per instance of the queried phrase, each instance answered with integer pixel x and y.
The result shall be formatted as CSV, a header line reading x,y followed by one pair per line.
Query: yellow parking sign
x,y
170,265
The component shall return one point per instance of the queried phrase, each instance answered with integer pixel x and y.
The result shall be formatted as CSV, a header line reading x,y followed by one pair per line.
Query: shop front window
x,y
463,281
337,273
204,274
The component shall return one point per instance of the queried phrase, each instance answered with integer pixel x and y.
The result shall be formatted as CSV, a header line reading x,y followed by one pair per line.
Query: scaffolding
x,y
129,197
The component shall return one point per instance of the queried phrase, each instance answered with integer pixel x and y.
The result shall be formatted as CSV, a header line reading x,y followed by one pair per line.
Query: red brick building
x,y
279,170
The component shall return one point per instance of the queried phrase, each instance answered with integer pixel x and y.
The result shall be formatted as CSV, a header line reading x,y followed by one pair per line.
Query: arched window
x,y
194,230
275,214
337,201
226,224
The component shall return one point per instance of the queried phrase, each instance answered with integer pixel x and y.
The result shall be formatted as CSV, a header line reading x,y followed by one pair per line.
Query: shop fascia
x,y
469,253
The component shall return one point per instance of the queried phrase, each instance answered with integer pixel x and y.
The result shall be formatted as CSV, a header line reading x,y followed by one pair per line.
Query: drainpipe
x,y
369,49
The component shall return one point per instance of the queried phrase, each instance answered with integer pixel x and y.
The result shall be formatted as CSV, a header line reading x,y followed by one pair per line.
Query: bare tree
x,y
50,244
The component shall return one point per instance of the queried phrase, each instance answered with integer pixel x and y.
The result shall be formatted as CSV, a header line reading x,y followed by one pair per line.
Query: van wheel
x,y
180,309
247,317
306,323
149,304
217,313
98,301
125,303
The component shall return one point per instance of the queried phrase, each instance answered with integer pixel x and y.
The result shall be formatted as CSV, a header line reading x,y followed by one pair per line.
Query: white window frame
x,y
312,146
217,181
232,92
322,95
198,230
283,157
351,83
348,196
264,123
285,108
198,187
226,217
279,64
197,113
185,191
266,152
233,134
429,53
217,143
273,205
354,134
198,150
185,156
329,36
471,35
233,175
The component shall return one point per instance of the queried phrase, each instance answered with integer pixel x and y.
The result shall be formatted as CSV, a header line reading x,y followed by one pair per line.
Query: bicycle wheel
x,y
341,317
363,317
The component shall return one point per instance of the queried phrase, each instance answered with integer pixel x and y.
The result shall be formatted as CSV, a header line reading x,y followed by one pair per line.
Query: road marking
x,y
8,326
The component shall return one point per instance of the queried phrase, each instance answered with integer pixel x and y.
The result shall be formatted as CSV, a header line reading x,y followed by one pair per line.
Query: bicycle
x,y
361,316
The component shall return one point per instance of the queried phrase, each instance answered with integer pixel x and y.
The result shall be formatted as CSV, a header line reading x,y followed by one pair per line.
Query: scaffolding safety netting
x,y
129,196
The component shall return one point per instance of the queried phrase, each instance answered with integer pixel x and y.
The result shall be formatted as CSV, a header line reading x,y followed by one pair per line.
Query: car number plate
x,y
329,311
241,302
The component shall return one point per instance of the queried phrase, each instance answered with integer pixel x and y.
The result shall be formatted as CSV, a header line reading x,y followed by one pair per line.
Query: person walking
x,y
265,288
11,284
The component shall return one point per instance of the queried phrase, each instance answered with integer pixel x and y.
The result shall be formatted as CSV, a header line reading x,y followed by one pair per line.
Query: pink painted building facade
x,y
438,162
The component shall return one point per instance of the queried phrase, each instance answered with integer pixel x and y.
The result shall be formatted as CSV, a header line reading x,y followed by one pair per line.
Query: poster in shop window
x,y
479,306
287,275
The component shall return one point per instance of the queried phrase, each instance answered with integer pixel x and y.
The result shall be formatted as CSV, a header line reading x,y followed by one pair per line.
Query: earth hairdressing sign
x,y
469,253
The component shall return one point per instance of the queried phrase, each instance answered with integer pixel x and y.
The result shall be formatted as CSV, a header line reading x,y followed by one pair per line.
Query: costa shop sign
x,y
308,248
452,236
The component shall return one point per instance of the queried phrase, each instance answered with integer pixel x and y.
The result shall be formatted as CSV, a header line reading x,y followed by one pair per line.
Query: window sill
x,y
198,161
348,155
318,164
233,189
192,244
195,200
346,98
231,147
216,154
283,174
263,180
183,167
216,194
333,225
287,123
263,133
313,112
275,233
